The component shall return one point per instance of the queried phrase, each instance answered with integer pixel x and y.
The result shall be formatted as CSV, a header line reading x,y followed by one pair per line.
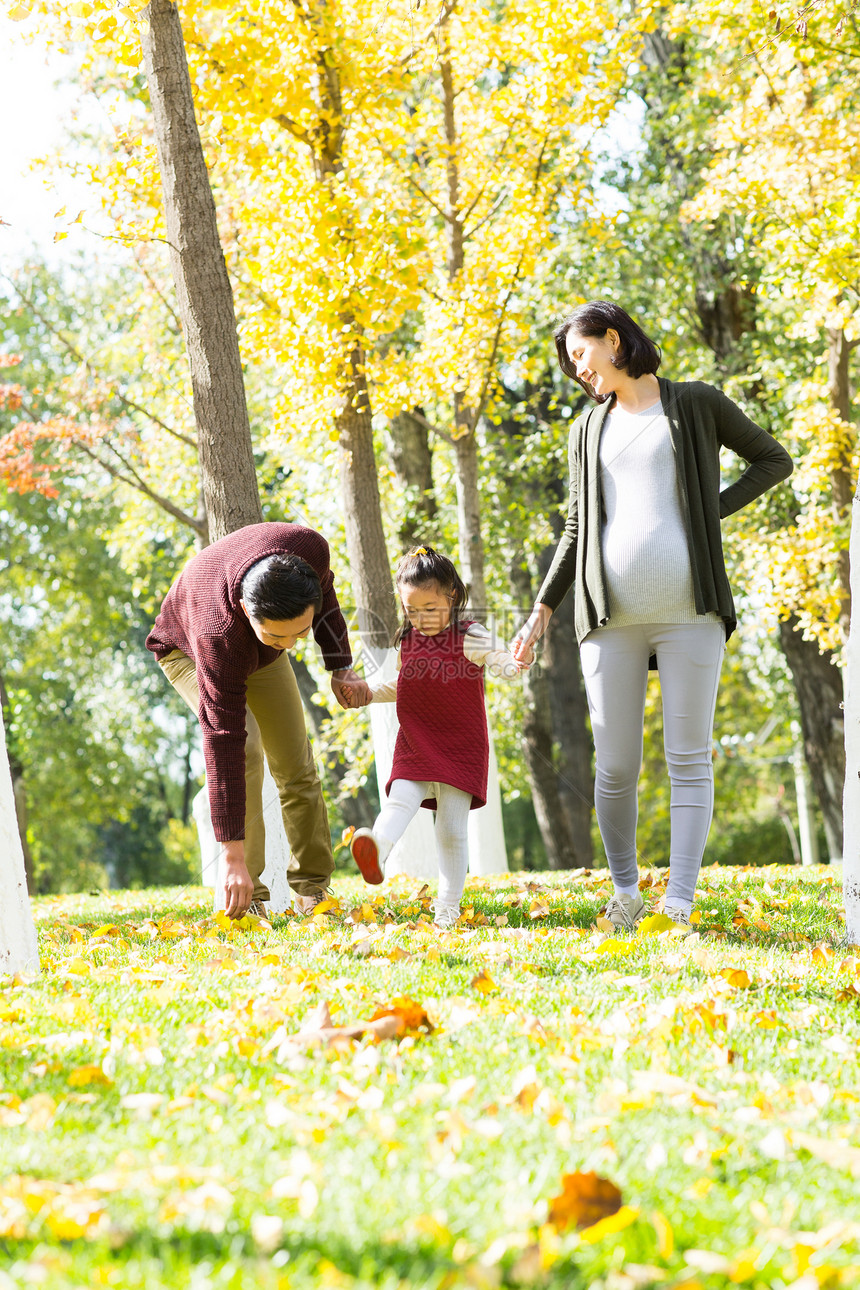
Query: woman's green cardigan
x,y
701,421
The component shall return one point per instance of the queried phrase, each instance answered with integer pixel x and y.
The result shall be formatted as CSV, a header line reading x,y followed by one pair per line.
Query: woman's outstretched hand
x,y
523,644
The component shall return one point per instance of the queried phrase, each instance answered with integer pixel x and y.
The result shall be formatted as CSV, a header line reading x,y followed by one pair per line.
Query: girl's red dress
x,y
443,721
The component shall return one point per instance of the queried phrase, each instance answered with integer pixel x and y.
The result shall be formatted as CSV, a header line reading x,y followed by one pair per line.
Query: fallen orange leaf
x,y
401,1016
585,1199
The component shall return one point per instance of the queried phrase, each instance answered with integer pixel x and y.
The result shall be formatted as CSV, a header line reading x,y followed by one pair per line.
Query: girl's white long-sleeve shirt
x,y
480,647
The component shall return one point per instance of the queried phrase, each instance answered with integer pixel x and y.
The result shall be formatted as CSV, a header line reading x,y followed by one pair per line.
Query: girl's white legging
x,y
452,819
615,668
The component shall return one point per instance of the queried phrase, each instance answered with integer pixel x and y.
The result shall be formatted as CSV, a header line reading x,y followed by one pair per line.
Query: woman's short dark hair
x,y
637,353
280,587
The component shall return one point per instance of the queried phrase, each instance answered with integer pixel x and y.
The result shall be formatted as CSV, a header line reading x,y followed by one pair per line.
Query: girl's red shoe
x,y
365,853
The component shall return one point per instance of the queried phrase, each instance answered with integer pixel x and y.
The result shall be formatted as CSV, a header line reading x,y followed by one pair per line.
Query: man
x,y
220,640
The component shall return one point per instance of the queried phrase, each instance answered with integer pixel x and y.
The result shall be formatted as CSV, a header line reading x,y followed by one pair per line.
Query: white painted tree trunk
x,y
805,809
415,853
18,948
279,860
487,850
851,796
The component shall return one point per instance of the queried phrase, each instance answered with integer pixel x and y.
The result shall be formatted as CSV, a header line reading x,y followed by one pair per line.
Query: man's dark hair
x,y
637,353
280,587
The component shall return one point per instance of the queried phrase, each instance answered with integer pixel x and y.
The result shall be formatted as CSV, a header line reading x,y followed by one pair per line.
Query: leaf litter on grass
x,y
256,1083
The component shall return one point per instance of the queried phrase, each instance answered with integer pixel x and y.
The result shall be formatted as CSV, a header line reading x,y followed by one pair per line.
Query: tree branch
x,y
75,353
199,526
420,419
491,361
297,131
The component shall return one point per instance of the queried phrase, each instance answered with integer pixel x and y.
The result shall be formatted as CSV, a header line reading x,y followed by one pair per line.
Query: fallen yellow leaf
x,y
609,1226
665,1235
654,924
614,946
83,1075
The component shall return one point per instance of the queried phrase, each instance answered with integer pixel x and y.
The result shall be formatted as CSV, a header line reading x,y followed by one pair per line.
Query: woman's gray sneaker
x,y
679,917
624,912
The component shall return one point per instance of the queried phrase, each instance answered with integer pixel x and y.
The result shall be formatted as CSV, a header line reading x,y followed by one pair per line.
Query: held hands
x,y
523,644
349,689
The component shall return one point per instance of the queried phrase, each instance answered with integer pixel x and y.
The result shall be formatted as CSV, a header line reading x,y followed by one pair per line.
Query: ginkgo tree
x,y
374,178
788,158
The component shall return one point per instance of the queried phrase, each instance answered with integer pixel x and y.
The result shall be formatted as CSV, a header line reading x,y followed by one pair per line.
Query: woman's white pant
x,y
615,669
452,820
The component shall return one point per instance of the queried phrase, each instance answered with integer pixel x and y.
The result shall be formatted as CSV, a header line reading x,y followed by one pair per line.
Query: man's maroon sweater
x,y
201,616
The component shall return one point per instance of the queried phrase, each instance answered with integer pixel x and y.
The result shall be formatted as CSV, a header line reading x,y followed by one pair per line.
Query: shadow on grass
x,y
179,1259
125,906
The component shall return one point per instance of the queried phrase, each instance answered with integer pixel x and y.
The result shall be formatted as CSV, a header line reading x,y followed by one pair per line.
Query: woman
x,y
643,552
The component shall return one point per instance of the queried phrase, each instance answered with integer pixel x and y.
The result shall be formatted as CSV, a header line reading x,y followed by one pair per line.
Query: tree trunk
x,y
819,686
408,446
18,947
556,745
471,542
202,284
841,476
365,537
571,731
19,796
851,799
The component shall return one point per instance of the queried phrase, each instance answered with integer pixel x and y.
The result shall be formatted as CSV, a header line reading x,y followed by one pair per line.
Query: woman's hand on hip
x,y
523,644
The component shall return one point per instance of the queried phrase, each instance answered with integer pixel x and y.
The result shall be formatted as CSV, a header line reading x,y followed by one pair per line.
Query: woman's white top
x,y
479,646
646,556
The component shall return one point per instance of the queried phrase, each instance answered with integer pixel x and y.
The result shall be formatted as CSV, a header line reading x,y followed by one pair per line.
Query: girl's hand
x,y
530,633
349,689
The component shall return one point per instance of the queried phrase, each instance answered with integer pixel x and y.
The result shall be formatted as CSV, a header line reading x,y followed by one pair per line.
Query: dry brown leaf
x,y
584,1199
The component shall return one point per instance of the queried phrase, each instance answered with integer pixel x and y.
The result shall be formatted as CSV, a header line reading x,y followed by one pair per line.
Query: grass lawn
x,y
551,1107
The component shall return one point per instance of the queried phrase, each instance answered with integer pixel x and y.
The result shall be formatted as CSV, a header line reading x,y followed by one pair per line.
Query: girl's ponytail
x,y
423,565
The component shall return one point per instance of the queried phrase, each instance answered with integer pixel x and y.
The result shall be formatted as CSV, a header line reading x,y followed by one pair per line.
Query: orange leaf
x,y
484,983
411,1017
736,977
585,1199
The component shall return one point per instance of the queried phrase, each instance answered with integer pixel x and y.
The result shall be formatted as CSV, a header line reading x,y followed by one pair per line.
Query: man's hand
x,y
523,645
238,887
349,689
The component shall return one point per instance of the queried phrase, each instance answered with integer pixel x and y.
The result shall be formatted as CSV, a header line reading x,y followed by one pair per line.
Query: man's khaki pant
x,y
275,725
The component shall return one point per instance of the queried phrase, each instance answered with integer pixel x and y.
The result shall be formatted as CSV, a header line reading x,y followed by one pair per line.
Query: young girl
x,y
442,749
